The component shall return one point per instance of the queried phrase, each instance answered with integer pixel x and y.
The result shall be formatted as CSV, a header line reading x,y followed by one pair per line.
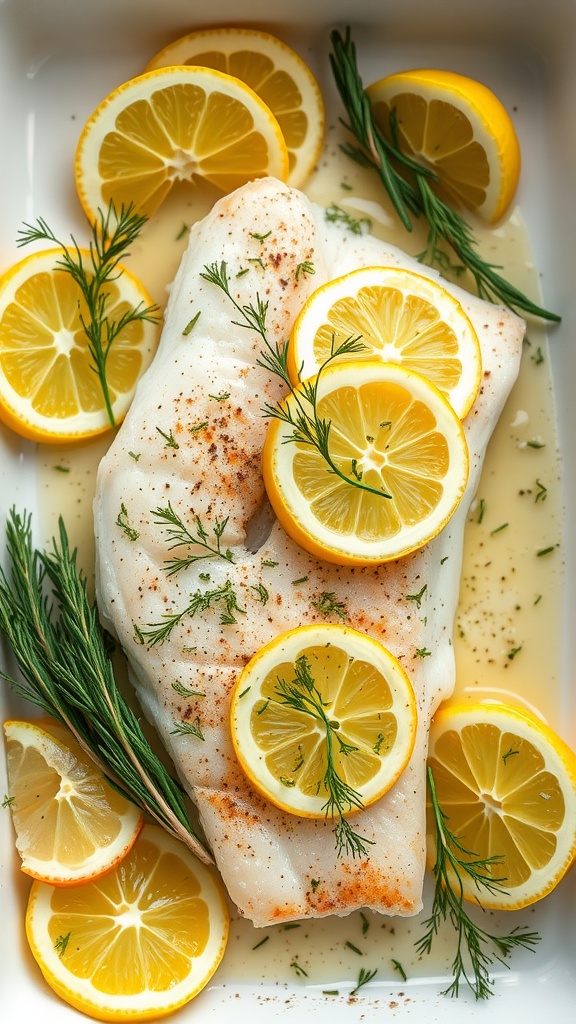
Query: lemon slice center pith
x,y
354,699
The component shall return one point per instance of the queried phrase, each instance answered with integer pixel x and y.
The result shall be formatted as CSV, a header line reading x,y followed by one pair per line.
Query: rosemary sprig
x,y
302,694
180,535
308,427
452,862
200,601
409,185
112,236
63,655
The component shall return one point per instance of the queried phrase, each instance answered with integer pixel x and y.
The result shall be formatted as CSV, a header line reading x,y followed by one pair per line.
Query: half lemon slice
x,y
71,825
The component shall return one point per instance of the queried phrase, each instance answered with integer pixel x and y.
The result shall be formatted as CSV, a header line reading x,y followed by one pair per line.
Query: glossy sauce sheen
x,y
507,627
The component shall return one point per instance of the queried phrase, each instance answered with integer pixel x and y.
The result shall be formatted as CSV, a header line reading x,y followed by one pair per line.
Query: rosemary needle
x,y
409,185
62,652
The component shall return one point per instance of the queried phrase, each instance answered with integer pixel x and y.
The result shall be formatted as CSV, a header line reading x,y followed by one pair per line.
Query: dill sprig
x,y
300,410
112,236
180,535
302,694
409,185
327,604
63,654
185,728
453,861
364,977
200,601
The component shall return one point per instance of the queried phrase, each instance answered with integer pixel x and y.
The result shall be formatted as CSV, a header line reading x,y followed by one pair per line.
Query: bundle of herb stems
x,y
409,185
64,657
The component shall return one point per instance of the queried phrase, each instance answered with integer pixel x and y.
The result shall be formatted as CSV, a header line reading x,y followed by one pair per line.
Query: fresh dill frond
x,y
185,691
113,234
64,657
364,976
542,491
398,967
171,441
123,522
417,598
61,943
334,214
159,632
301,694
476,948
185,728
191,324
306,268
180,535
253,317
328,604
262,594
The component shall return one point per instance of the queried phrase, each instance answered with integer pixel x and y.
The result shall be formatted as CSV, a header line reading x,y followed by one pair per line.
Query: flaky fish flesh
x,y
192,444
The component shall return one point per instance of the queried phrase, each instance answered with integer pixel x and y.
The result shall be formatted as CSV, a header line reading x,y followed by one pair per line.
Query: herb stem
x,y
453,862
180,535
410,184
302,694
112,236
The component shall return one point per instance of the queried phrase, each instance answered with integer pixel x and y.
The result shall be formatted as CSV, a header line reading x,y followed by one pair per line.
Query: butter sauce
x,y
506,639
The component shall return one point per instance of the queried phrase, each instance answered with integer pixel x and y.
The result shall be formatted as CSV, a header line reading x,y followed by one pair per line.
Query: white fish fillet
x,y
193,438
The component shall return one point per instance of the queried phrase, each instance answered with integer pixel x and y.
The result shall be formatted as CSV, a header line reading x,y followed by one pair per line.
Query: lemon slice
x,y
506,784
366,727
398,316
176,124
48,388
274,71
71,825
458,128
390,430
138,943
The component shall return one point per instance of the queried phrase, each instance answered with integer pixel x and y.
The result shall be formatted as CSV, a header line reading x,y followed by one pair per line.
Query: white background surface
x,y
58,58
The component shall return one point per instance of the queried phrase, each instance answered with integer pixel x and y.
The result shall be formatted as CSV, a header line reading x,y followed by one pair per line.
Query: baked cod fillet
x,y
192,442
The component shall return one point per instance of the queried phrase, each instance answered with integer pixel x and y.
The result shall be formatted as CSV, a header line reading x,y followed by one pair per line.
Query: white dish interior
x,y
57,60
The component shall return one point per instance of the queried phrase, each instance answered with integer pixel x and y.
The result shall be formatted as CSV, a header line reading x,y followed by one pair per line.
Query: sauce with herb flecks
x,y
506,638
